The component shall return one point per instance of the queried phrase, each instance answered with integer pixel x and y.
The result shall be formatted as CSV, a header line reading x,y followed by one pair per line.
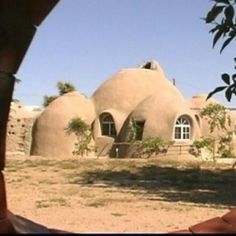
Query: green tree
x,y
222,16
48,99
77,126
217,116
63,87
83,134
219,119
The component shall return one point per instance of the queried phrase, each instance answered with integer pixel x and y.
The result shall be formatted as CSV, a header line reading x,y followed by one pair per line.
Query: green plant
x,y
222,16
83,134
77,126
199,145
225,148
65,87
133,131
150,146
217,116
48,99
82,146
219,119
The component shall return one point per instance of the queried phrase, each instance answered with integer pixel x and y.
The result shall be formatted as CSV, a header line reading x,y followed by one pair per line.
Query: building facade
x,y
142,95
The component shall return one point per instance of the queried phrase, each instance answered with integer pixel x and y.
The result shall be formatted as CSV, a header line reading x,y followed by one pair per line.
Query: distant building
x,y
19,127
142,95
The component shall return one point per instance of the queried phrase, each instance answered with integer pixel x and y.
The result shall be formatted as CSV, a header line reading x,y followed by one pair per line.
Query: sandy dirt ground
x,y
55,195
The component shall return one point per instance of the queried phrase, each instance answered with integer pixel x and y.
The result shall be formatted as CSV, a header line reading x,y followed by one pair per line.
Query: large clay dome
x,y
49,136
126,89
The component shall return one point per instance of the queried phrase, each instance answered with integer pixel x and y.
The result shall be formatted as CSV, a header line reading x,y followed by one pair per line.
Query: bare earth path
x,y
102,195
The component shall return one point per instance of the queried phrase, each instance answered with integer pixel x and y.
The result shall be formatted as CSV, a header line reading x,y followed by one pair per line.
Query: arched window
x,y
182,128
107,125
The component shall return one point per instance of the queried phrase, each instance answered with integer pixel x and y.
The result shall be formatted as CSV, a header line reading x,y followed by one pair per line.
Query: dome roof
x,y
160,115
199,101
152,65
49,136
126,89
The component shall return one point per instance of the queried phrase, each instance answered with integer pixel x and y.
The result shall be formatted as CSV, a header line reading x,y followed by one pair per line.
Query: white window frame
x,y
182,130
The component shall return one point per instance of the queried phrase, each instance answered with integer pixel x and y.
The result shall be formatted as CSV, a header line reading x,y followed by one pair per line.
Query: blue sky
x,y
85,42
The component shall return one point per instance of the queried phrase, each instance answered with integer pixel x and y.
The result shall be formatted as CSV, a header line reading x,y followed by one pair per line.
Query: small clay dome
x,y
49,136
160,112
199,101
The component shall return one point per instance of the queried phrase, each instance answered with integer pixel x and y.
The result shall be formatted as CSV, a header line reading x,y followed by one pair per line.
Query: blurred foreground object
x,y
19,20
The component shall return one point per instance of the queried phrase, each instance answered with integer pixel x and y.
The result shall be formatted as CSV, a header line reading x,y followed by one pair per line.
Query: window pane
x,y
177,133
113,130
108,126
107,119
105,129
139,129
182,128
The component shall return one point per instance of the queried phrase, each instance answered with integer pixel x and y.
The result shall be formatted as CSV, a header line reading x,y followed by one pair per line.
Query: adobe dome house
x,y
49,135
142,95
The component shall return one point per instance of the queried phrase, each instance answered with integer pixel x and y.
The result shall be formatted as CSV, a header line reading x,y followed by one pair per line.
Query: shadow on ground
x,y
195,185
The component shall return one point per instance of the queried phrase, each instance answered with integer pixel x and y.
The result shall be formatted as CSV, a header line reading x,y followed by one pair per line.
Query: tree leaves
x,y
228,93
229,13
218,34
226,78
216,90
226,42
65,87
224,29
222,1
230,88
216,115
213,13
48,99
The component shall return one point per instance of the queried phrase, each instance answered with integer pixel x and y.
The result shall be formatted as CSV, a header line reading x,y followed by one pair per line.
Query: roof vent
x,y
150,65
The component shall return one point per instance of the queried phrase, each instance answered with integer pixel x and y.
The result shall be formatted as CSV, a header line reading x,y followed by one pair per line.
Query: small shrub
x,y
136,130
217,116
77,126
152,146
226,148
48,99
83,135
198,145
